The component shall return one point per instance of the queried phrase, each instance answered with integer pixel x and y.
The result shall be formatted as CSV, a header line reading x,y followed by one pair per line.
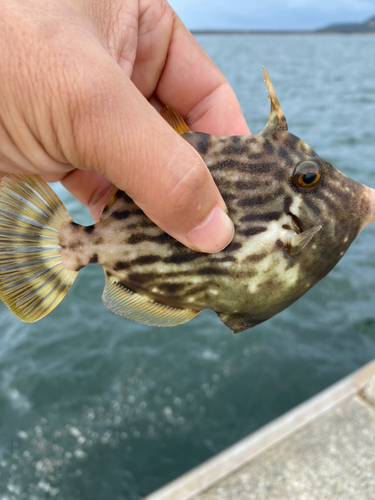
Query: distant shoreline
x,y
279,32
366,28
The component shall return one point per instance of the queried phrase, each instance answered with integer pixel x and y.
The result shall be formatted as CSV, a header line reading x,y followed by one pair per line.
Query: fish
x,y
294,214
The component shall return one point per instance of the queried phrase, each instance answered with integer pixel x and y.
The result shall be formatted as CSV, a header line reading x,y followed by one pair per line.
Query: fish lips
x,y
370,216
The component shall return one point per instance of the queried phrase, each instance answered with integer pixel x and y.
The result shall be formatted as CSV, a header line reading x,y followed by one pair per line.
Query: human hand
x,y
79,83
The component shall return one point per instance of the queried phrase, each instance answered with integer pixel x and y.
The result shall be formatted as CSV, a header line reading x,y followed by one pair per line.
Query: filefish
x,y
294,214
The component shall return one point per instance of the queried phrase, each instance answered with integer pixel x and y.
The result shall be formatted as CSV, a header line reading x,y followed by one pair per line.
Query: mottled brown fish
x,y
294,214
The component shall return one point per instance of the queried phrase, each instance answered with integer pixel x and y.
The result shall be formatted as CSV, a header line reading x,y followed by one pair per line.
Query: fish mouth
x,y
370,217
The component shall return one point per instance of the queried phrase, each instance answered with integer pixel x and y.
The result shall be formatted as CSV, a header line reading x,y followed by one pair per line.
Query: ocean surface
x,y
97,407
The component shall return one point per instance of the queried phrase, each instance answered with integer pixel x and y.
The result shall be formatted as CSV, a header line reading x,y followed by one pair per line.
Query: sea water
x,y
97,407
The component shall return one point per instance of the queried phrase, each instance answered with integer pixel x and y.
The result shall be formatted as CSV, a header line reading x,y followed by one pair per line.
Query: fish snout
x,y
370,216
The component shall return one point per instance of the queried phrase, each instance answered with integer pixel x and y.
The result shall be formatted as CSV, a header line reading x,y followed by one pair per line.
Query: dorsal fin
x,y
276,119
111,200
175,120
126,303
119,202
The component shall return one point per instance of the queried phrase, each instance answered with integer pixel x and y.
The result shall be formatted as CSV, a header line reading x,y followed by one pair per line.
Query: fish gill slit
x,y
295,223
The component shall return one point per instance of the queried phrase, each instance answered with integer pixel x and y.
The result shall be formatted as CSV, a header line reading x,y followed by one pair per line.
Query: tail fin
x,y
33,279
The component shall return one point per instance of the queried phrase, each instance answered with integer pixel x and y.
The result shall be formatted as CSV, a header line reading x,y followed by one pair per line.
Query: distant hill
x,y
366,27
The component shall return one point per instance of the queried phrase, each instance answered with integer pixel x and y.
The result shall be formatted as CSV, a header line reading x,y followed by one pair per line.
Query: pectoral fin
x,y
295,243
126,303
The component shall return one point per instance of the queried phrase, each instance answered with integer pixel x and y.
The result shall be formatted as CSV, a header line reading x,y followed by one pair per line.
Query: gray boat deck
x,y
322,449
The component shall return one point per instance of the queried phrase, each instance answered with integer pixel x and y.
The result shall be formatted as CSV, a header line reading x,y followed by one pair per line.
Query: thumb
x,y
119,135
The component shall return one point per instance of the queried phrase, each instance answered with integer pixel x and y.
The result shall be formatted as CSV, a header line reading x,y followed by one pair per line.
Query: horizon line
x,y
320,31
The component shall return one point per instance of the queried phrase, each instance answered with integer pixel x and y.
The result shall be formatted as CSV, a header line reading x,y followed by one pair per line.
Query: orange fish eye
x,y
306,175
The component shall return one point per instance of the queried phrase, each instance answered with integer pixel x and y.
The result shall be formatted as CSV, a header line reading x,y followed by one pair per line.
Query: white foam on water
x,y
17,400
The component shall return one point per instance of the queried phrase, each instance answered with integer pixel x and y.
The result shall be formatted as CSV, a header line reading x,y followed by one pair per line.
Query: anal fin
x,y
124,302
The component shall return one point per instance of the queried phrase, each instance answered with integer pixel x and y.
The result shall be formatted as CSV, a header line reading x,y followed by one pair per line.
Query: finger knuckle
x,y
85,107
154,12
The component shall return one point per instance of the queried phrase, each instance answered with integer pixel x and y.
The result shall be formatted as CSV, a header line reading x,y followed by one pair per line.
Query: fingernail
x,y
214,234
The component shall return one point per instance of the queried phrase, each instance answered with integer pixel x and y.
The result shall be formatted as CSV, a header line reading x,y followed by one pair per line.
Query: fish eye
x,y
306,175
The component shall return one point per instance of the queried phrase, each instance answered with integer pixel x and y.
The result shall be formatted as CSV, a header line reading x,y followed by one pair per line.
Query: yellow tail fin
x,y
33,279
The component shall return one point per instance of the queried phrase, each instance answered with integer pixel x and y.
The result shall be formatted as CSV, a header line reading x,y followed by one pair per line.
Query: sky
x,y
270,14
